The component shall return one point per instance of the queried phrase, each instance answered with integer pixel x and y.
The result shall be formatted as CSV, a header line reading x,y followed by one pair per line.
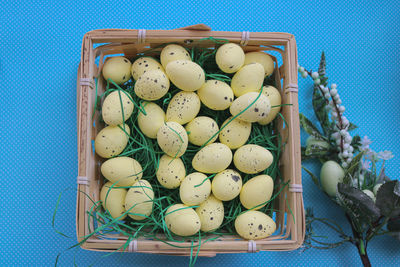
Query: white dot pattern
x,y
39,56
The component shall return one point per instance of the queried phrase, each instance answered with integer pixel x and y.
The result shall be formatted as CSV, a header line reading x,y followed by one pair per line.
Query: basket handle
x,y
197,27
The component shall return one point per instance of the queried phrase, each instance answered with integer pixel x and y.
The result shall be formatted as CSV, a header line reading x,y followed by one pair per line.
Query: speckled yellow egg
x,y
230,57
275,100
260,57
150,123
202,129
185,74
172,139
152,85
211,214
254,225
117,69
139,200
123,171
195,189
248,79
216,95
143,65
113,105
212,158
171,171
111,140
256,191
113,200
253,111
173,52
226,185
183,107
252,158
235,134
182,220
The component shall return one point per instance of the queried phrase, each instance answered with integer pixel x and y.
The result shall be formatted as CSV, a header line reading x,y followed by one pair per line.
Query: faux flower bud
x,y
314,75
333,85
333,92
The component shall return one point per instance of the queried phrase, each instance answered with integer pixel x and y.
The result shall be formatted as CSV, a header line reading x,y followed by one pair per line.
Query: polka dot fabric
x,y
39,56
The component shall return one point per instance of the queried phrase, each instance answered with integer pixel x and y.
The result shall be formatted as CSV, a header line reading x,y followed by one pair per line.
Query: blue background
x,y
39,56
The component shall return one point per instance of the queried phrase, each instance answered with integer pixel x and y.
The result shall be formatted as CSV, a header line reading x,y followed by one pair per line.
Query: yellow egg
x,y
111,141
256,191
139,200
248,79
152,85
230,57
150,123
143,65
123,171
275,100
183,107
252,111
113,199
252,159
117,69
201,129
216,95
170,172
111,109
212,158
254,225
186,75
172,139
173,52
211,214
195,189
235,134
182,220
260,57
226,185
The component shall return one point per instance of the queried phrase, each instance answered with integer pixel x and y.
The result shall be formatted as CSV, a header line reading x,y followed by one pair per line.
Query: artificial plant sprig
x,y
349,173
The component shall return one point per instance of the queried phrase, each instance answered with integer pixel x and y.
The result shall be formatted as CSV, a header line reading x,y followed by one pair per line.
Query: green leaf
x,y
360,207
354,165
309,127
303,154
319,105
382,178
313,177
388,199
355,142
322,65
394,224
315,150
352,127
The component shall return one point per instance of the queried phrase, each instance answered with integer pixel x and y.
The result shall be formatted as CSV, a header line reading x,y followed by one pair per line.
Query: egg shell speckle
x,y
170,172
254,225
275,99
186,75
111,109
252,159
201,129
124,171
150,123
113,199
256,191
172,139
117,69
230,57
211,214
182,220
212,158
216,95
143,65
138,200
111,141
253,112
183,107
248,79
173,52
260,57
235,134
226,185
152,85
190,194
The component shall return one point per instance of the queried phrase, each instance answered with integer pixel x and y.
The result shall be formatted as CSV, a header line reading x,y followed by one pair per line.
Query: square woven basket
x,y
98,44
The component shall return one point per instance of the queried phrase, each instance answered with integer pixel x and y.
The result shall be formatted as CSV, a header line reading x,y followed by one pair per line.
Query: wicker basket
x,y
290,216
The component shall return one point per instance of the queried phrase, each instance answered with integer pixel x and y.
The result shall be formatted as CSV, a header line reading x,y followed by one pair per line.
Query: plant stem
x,y
362,250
